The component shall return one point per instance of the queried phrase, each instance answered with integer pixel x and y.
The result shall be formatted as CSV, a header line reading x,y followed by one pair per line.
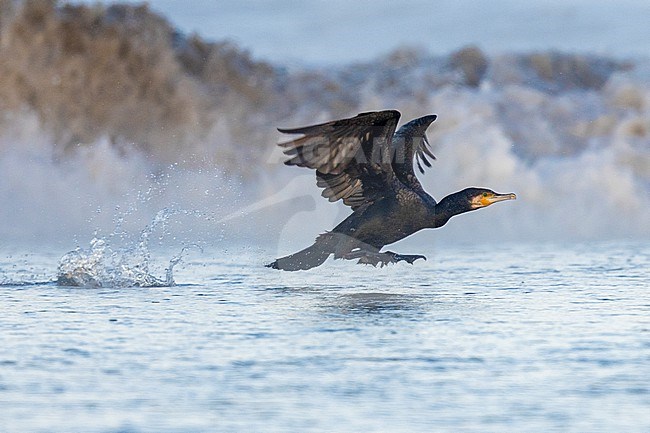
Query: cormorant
x,y
364,162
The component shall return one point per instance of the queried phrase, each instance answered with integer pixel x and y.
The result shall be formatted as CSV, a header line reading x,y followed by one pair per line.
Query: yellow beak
x,y
486,201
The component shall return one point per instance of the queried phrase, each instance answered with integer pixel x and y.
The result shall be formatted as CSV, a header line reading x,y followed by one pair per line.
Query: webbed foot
x,y
409,258
382,259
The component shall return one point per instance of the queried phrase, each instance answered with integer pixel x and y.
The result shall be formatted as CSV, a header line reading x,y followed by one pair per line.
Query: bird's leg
x,y
368,256
374,258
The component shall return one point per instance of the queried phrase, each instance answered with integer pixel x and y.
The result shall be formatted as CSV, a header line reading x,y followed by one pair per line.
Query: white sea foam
x,y
570,134
591,182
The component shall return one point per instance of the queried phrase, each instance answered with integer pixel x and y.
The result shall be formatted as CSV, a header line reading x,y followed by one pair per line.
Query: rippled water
x,y
509,338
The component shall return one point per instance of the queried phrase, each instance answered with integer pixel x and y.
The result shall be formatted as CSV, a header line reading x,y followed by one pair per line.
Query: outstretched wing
x,y
411,147
352,157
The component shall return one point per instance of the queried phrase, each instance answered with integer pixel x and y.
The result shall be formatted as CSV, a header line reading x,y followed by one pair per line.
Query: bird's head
x,y
466,200
477,198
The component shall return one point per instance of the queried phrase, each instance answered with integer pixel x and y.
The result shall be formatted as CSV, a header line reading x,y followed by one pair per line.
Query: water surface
x,y
510,338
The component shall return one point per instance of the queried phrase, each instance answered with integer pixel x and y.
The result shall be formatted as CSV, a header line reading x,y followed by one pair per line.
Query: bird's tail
x,y
308,258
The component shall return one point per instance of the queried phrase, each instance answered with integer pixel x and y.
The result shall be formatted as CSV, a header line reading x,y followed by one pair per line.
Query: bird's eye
x,y
485,194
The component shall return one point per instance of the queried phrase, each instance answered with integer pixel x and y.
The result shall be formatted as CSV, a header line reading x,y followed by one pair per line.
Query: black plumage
x,y
367,164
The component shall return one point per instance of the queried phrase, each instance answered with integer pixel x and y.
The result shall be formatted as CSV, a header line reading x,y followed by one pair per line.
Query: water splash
x,y
106,265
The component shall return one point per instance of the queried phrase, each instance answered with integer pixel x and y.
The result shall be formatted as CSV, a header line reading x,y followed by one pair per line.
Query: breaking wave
x,y
104,109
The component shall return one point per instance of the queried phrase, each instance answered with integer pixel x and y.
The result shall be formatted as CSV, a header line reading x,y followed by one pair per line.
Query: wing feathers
x,y
339,186
343,151
356,159
412,136
426,148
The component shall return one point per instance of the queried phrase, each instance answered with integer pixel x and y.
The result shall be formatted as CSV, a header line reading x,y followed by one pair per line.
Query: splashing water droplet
x,y
105,266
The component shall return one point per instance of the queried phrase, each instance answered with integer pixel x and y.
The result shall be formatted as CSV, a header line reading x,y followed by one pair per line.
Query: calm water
x,y
512,338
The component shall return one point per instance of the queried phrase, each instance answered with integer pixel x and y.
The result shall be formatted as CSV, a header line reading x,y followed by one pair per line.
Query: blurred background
x,y
112,112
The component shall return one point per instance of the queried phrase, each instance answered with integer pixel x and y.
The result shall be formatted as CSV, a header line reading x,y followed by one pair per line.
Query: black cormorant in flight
x,y
365,163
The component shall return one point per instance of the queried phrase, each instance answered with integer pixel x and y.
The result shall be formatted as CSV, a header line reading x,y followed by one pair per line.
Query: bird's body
x,y
365,163
369,225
